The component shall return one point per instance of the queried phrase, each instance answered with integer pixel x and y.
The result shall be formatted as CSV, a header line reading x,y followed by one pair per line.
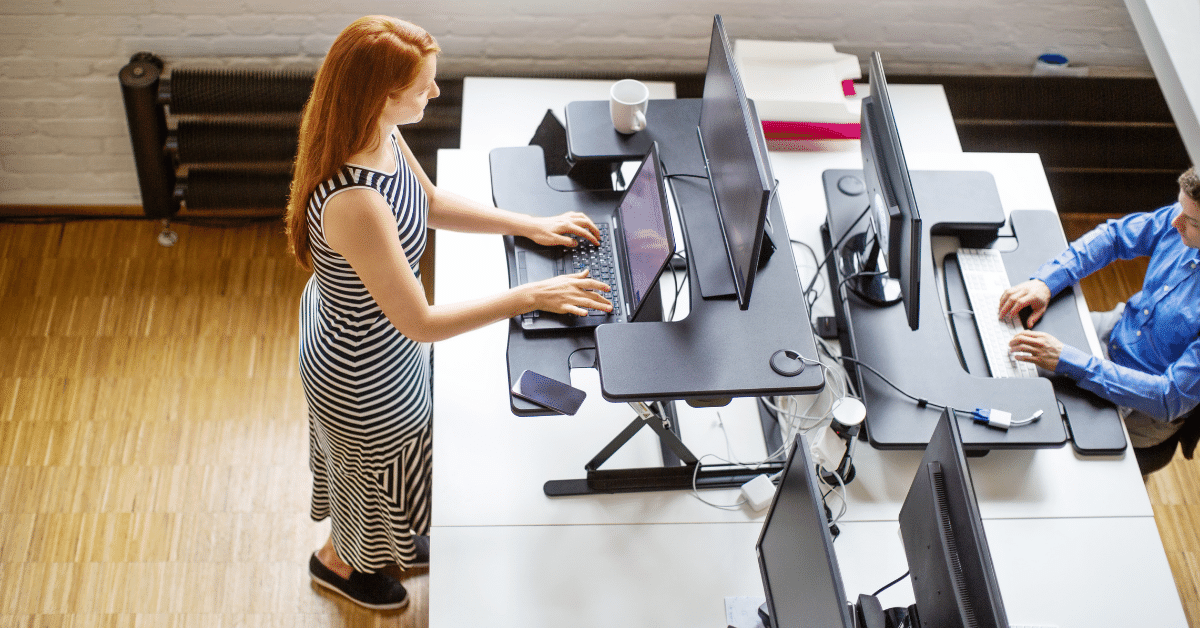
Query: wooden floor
x,y
153,436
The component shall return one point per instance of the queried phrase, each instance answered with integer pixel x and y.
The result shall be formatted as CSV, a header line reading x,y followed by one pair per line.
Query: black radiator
x,y
212,139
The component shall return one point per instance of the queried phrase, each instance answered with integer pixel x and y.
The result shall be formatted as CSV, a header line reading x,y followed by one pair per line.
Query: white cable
x,y
791,421
808,419
728,444
841,496
696,490
758,464
785,411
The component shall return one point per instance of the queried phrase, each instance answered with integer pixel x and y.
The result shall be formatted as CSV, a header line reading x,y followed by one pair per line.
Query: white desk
x,y
1031,483
1050,571
1060,527
923,115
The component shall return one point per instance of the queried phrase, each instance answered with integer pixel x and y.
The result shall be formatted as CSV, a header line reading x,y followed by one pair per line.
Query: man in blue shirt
x,y
1152,344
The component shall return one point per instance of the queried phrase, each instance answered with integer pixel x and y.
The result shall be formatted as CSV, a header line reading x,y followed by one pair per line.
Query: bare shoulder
x,y
356,217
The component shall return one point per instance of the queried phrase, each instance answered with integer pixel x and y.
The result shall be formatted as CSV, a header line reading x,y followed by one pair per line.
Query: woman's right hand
x,y
574,293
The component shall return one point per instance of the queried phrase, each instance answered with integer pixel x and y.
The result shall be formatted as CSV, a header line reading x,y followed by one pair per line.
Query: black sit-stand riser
x,y
926,363
719,351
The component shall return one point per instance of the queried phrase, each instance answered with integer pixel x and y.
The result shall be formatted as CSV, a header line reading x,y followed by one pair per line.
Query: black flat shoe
x,y
376,591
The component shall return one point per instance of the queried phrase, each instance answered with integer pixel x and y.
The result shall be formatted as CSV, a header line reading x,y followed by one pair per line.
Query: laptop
x,y
637,242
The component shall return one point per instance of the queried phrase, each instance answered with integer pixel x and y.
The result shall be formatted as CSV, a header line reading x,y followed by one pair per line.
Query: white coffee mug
x,y
627,104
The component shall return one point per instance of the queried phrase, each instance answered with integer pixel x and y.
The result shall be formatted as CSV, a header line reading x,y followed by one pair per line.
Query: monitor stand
x,y
860,264
870,613
713,282
866,613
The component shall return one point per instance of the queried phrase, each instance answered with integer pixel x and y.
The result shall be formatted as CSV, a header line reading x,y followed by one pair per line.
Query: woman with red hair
x,y
357,217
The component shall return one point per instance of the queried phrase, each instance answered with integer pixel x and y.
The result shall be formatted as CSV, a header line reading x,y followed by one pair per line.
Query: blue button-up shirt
x,y
1154,351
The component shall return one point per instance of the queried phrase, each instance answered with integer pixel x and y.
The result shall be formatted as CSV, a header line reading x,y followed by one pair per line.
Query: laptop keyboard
x,y
598,259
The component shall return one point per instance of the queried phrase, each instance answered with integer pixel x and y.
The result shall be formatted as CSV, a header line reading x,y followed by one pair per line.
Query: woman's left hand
x,y
557,230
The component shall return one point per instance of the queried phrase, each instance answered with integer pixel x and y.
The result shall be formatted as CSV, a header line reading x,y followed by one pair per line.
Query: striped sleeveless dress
x,y
367,387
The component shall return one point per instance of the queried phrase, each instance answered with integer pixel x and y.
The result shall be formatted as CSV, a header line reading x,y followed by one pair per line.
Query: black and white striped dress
x,y
368,388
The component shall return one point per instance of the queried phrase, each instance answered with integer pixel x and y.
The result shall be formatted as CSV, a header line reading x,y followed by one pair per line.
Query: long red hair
x,y
373,57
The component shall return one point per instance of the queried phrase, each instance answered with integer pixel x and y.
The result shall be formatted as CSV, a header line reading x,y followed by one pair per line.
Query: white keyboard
x,y
986,279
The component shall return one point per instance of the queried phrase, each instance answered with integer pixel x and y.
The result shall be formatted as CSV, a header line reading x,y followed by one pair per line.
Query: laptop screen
x,y
646,229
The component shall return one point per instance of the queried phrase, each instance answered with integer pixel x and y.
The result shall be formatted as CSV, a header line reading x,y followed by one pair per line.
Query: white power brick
x,y
759,492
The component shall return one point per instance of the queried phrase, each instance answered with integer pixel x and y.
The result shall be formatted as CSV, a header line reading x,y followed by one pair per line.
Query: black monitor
x,y
895,220
799,570
735,155
953,579
952,575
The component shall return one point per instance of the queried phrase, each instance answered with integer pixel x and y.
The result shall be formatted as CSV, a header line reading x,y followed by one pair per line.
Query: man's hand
x,y
1033,294
1037,347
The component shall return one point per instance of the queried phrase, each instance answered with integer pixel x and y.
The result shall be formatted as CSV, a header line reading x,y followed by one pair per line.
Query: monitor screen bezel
x,y
801,470
897,225
743,264
927,546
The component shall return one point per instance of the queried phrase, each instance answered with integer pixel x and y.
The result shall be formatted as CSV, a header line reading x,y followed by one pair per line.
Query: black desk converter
x,y
926,362
719,350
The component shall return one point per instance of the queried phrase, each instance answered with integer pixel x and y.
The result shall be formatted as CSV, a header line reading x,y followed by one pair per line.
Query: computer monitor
x,y
953,579
800,575
895,220
735,155
952,575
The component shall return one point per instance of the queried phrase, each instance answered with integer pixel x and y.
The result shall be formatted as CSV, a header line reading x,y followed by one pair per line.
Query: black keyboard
x,y
598,259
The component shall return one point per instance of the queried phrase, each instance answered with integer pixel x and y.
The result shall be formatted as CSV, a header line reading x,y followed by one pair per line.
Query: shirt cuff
x,y
1074,363
1055,276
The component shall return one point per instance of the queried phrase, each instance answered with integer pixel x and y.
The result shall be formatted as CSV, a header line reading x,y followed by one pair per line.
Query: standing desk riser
x,y
926,363
717,352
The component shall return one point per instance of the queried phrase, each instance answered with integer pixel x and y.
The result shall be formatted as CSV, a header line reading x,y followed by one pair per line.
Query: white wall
x,y
63,136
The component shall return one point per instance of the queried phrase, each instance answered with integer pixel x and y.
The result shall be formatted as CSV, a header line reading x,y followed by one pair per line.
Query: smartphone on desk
x,y
548,392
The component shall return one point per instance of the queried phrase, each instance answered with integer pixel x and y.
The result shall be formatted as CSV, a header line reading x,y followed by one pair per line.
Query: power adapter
x,y
759,492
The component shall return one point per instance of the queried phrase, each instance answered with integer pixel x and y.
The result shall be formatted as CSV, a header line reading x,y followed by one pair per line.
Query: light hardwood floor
x,y
153,436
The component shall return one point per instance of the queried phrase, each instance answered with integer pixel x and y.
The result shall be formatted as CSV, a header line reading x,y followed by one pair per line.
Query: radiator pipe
x,y
148,131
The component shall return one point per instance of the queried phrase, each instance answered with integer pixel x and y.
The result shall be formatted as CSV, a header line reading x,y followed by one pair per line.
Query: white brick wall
x,y
63,136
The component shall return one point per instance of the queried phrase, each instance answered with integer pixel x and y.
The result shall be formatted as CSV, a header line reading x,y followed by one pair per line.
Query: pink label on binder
x,y
775,130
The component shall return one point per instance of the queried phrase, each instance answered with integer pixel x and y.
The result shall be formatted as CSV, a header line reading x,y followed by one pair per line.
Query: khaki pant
x,y
1144,430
